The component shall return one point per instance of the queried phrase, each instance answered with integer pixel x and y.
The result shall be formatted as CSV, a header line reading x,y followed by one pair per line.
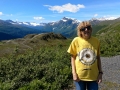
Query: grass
x,y
21,45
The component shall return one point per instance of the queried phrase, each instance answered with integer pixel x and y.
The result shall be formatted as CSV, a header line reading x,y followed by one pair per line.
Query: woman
x,y
85,58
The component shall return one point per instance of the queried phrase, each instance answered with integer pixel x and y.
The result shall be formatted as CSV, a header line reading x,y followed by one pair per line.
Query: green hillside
x,y
43,69
110,39
30,42
35,62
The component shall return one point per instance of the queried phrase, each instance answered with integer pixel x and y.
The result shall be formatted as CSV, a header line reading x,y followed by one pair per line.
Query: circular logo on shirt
x,y
87,56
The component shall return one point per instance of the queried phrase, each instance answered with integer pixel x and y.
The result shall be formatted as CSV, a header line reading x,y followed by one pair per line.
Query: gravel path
x,y
111,76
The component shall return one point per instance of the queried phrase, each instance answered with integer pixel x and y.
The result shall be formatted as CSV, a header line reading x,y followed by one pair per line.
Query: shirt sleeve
x,y
72,48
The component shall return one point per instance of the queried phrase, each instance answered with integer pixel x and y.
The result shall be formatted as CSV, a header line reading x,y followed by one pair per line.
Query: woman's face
x,y
86,32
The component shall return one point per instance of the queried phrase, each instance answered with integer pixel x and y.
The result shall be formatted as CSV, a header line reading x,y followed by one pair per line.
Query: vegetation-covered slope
x,y
110,39
31,41
35,62
43,69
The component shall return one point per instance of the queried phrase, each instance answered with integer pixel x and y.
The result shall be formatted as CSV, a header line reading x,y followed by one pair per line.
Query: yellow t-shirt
x,y
86,52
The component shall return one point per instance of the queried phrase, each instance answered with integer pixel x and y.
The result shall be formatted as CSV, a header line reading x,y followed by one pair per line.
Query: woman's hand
x,y
75,77
99,80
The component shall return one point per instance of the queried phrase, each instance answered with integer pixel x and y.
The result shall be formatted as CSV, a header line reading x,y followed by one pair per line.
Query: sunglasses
x,y
83,29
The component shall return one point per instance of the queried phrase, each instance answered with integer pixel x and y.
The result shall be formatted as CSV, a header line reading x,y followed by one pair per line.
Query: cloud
x,y
95,15
66,7
5,14
8,14
38,18
1,13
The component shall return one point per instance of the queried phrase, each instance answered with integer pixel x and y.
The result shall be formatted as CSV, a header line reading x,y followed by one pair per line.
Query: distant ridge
x,y
45,36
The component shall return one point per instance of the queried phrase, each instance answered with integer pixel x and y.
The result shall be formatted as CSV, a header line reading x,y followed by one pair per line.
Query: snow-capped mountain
x,y
104,18
26,23
65,26
11,30
63,20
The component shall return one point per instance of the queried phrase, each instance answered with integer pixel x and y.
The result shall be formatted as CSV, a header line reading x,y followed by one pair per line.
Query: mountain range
x,y
66,26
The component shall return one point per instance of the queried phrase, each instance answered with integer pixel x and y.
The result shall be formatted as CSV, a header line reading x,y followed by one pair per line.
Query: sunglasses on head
x,y
83,29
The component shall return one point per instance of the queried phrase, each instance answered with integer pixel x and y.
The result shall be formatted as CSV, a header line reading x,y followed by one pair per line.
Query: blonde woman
x,y
85,58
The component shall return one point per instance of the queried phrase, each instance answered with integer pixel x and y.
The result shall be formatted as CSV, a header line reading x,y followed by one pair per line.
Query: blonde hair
x,y
81,25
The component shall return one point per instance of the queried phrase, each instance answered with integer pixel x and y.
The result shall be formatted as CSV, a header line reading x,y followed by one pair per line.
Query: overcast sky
x,y
53,10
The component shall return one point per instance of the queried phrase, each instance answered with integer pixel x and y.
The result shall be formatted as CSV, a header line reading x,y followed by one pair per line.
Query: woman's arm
x,y
75,76
99,64
100,70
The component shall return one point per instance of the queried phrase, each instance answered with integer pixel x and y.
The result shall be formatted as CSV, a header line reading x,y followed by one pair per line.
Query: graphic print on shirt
x,y
87,56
